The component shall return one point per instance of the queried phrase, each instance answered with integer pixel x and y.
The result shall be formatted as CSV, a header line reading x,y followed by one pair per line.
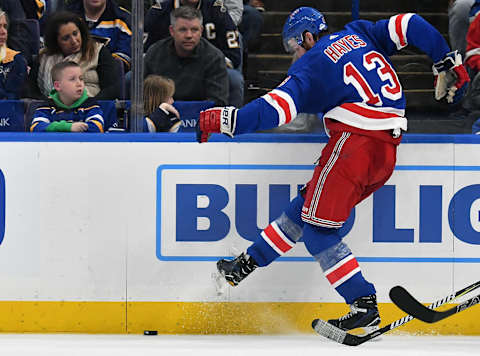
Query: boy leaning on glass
x,y
68,109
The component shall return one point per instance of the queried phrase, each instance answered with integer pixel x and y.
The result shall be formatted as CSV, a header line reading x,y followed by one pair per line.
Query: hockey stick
x,y
338,335
405,301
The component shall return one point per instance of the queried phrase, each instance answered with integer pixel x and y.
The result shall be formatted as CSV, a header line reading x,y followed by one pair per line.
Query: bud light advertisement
x,y
420,215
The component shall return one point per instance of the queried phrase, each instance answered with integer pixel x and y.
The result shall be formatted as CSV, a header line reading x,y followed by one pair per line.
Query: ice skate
x,y
236,270
363,314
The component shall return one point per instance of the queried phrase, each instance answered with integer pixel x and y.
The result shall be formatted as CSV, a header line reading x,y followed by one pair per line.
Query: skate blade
x,y
362,331
371,329
220,282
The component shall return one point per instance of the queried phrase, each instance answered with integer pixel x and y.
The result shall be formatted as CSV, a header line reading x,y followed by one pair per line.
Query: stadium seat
x,y
109,114
11,115
34,35
30,105
121,76
189,111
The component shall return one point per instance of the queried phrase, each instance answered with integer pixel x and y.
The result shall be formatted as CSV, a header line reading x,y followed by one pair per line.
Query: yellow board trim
x,y
201,318
51,317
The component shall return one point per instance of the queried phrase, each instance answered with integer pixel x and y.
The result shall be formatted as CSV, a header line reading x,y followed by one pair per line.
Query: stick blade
x,y
406,302
329,331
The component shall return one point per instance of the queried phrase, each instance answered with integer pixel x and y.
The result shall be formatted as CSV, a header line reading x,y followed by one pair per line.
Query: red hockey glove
x,y
216,120
451,78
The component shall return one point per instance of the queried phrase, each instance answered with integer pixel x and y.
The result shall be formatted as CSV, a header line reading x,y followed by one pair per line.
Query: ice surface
x,y
213,345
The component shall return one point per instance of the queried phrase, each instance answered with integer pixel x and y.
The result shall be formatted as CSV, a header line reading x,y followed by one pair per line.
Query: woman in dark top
x,y
67,39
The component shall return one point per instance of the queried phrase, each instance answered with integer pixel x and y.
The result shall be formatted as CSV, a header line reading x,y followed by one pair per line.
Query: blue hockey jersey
x,y
349,77
53,116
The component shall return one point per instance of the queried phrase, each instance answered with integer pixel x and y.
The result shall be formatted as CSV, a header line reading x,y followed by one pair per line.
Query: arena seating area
x,y
267,65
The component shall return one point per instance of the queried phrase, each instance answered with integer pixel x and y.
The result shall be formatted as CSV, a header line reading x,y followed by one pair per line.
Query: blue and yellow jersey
x,y
113,27
49,117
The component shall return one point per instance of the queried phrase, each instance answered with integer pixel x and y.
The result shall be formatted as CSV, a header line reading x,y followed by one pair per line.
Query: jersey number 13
x,y
373,60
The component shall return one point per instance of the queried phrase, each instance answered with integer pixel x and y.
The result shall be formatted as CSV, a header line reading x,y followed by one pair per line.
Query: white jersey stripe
x,y
272,245
382,109
472,52
277,240
291,105
42,119
400,39
362,122
393,33
405,19
95,117
322,222
326,170
282,235
274,104
286,109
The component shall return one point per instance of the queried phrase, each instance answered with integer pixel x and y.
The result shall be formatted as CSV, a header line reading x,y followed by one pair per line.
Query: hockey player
x,y
348,76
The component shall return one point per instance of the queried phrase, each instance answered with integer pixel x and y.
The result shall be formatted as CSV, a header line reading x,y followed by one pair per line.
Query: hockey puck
x,y
150,332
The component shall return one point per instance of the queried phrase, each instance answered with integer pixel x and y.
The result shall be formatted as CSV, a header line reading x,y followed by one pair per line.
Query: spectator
x,y
108,22
458,22
257,4
196,66
127,4
67,39
160,115
219,29
217,23
251,28
13,8
35,9
69,108
252,25
13,66
20,36
235,9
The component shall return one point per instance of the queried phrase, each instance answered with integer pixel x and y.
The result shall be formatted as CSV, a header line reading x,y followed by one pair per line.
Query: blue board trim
x,y
190,137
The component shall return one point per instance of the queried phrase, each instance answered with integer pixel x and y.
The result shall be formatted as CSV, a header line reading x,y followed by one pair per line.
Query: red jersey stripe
x,y
276,239
284,105
370,113
398,30
342,271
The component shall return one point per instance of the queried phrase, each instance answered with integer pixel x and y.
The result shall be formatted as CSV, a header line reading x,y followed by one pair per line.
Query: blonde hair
x,y
156,90
3,13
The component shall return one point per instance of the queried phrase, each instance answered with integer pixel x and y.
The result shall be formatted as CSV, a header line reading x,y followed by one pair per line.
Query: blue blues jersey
x,y
49,112
113,27
13,73
349,77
